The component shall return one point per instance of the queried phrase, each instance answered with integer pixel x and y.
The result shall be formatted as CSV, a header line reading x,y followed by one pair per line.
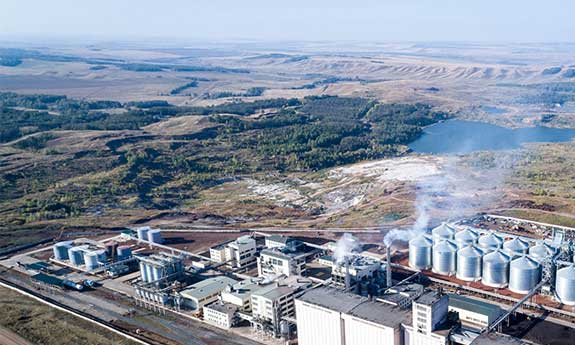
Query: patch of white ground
x,y
283,194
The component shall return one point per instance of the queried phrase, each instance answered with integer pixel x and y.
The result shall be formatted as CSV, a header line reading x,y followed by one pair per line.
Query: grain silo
x,y
495,269
516,247
524,274
420,252
444,257
91,260
469,263
489,242
465,237
542,251
442,232
143,272
565,285
61,250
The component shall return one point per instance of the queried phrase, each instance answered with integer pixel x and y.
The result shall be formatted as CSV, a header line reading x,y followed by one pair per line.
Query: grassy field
x,y
41,324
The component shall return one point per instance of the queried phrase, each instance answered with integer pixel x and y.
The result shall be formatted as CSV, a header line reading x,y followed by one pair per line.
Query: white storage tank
x,y
444,257
61,250
91,259
469,263
155,236
143,233
516,247
565,285
495,269
150,272
143,272
489,242
420,252
542,251
76,255
465,237
524,274
157,273
443,232
124,252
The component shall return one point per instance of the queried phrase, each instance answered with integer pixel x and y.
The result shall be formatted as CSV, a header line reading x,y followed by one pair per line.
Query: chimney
x,y
347,275
388,271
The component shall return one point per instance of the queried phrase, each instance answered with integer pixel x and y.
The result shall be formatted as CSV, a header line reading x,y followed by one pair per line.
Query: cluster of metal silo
x,y
565,285
489,243
465,237
469,263
442,232
542,250
61,250
444,259
158,266
524,274
420,249
495,271
516,247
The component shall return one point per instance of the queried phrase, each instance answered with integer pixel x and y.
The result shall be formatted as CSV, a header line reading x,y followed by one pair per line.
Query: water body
x,y
456,136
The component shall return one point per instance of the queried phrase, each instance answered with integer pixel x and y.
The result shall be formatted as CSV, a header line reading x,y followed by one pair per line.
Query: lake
x,y
456,136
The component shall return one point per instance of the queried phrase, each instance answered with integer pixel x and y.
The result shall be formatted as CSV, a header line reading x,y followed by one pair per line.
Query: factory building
x,y
402,296
198,295
357,274
239,294
278,261
429,320
220,314
473,313
240,253
271,304
161,266
279,241
329,316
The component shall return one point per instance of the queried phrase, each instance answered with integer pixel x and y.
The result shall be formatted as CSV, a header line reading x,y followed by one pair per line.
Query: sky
x,y
295,20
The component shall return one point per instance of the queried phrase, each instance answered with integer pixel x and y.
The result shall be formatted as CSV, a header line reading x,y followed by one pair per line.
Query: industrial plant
x,y
460,282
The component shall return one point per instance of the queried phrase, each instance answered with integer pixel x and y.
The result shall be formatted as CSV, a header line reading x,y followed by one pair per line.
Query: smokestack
x,y
347,275
388,271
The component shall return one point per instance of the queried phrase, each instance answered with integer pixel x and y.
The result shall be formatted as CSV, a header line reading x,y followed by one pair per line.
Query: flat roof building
x,y
220,314
474,313
205,292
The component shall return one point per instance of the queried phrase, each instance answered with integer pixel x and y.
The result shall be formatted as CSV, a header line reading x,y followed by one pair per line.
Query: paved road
x,y
7,337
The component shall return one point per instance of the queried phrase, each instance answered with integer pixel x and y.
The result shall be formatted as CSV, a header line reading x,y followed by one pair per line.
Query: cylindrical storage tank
x,y
542,251
150,272
143,272
495,269
516,247
124,252
565,285
443,232
444,258
420,252
111,248
143,233
489,243
157,273
61,250
155,236
101,254
76,255
466,237
469,263
524,274
91,260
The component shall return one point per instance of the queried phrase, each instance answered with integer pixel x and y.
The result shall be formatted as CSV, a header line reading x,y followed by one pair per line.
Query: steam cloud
x,y
345,247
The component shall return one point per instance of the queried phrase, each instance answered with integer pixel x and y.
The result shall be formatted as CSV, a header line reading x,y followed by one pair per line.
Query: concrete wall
x,y
317,325
361,332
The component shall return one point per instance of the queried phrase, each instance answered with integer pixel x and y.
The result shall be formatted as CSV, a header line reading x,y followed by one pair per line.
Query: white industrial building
x,y
271,304
329,316
220,314
239,294
273,262
359,270
473,313
429,320
196,296
239,253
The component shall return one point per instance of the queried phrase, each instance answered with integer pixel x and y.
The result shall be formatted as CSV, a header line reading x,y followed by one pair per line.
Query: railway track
x,y
78,313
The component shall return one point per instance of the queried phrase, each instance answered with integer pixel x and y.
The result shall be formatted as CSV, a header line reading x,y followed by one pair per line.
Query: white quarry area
x,y
411,168
282,193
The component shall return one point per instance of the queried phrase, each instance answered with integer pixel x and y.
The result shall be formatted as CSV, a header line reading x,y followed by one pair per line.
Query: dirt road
x,y
7,337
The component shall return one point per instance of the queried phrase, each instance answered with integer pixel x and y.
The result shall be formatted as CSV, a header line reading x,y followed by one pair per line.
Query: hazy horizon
x,y
329,21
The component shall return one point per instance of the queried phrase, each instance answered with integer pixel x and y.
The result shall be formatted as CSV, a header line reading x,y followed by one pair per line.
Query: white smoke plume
x,y
345,247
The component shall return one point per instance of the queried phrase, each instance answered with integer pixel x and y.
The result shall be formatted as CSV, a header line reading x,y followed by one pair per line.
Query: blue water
x,y
456,136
